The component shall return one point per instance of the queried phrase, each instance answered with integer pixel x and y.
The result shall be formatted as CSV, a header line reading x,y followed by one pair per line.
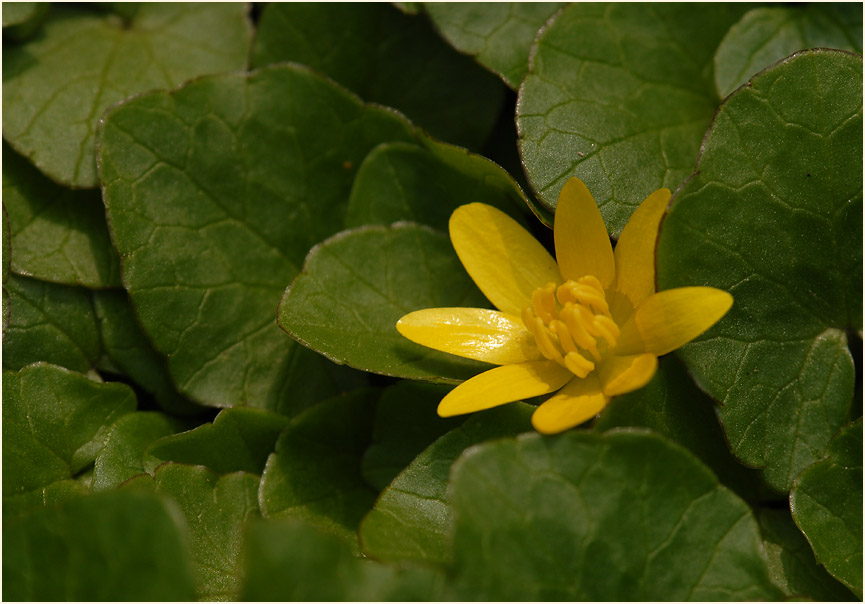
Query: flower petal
x,y
672,318
582,243
620,375
504,384
635,255
502,258
574,404
473,333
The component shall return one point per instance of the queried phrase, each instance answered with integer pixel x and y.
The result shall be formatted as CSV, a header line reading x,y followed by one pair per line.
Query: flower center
x,y
572,324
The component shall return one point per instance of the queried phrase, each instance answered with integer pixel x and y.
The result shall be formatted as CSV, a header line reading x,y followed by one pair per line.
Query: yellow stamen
x,y
579,365
545,343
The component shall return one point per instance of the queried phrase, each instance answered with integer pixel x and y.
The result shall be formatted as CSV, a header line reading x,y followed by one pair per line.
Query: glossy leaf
x,y
50,323
314,474
388,58
238,440
619,95
216,510
57,85
412,518
289,561
59,235
768,34
773,215
497,34
105,547
215,193
355,286
827,505
55,422
53,494
600,517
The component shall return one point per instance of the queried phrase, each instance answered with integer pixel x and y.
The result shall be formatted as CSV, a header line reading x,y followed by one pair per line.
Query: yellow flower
x,y
590,327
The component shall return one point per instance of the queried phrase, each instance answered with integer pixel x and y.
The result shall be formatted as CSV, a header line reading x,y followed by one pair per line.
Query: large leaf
x,y
385,57
773,214
290,562
412,518
619,516
315,473
768,34
59,235
827,505
497,34
57,85
215,193
216,510
620,95
355,286
50,323
22,19
105,547
55,422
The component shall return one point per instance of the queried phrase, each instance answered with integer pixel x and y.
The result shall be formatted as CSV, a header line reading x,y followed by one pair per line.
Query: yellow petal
x,y
582,243
473,333
574,404
672,318
635,255
504,384
502,258
620,375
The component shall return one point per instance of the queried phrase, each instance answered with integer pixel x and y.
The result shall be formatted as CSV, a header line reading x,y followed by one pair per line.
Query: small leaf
x,y
50,323
827,505
238,440
315,475
355,286
54,494
290,562
498,35
57,85
766,35
619,516
773,215
104,547
412,518
388,58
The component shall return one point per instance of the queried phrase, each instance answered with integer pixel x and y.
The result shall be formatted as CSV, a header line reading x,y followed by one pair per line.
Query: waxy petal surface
x,y
474,333
502,258
504,384
574,404
672,318
623,374
582,244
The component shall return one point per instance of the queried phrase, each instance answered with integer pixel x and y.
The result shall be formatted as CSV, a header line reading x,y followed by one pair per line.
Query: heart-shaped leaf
x,y
773,215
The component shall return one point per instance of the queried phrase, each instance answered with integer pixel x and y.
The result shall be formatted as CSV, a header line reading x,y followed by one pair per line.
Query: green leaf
x,y
50,323
766,35
315,475
618,516
355,286
399,181
132,354
498,35
619,95
122,457
105,547
51,495
773,215
827,505
22,19
56,86
216,510
791,561
238,440
385,57
406,423
673,406
412,518
59,235
55,422
215,193
288,561
7,264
